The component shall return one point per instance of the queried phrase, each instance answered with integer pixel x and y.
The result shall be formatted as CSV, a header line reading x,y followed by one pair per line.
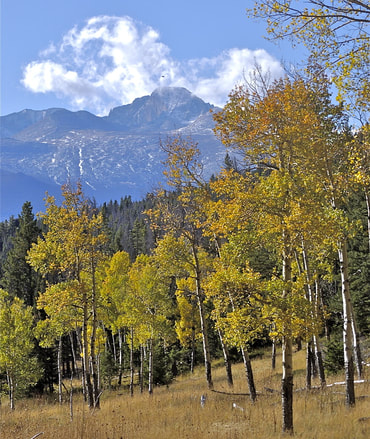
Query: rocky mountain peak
x,y
166,108
111,156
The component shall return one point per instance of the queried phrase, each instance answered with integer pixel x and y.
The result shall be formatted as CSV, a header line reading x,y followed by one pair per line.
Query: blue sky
x,y
97,54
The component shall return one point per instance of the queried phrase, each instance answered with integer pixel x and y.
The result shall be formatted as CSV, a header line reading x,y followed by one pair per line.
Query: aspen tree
x,y
115,294
183,257
336,34
72,248
16,346
184,173
235,294
188,325
286,129
149,305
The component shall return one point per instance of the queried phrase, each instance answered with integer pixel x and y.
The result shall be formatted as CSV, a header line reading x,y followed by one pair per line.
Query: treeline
x,y
274,249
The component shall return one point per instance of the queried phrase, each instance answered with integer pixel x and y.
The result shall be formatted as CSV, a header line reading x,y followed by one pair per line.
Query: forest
x,y
273,252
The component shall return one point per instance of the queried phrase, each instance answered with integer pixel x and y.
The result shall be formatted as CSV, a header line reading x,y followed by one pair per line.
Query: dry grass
x,y
175,411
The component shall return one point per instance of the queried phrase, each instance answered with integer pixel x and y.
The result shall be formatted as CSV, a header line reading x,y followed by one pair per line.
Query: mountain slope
x,y
112,156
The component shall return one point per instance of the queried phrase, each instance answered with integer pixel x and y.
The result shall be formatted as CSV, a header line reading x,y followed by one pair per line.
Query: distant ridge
x,y
113,156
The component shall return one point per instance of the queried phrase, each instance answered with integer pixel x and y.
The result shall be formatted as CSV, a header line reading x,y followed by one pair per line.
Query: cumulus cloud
x,y
112,60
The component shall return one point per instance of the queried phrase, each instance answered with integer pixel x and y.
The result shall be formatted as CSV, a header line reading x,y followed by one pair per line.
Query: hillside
x,y
113,156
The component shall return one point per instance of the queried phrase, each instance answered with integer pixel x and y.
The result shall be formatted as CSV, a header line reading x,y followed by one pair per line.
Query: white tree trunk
x,y
11,390
132,371
367,197
59,366
150,377
316,352
203,323
347,325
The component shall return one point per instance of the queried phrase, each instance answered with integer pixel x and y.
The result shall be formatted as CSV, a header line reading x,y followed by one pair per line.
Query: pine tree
x,y
19,278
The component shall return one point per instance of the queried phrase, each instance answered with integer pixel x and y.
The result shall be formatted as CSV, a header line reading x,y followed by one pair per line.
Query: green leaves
x,y
17,344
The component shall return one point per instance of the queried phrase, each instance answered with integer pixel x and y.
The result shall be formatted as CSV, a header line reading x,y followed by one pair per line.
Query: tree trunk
x,y
141,378
227,361
287,385
356,345
132,371
73,349
273,354
347,325
11,390
59,366
249,374
203,323
315,353
287,347
71,399
94,324
308,365
150,374
114,349
120,358
85,353
319,361
80,341
367,198
317,344
192,358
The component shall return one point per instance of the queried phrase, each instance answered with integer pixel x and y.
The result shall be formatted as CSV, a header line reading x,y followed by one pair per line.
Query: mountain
x,y
113,156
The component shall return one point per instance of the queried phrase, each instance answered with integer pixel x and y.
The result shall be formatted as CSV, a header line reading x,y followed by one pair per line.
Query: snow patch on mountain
x,y
114,155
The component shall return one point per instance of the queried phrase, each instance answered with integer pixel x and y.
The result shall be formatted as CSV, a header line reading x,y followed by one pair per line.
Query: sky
x,y
98,54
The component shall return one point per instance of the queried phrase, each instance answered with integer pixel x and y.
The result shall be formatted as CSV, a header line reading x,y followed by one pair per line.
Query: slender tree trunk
x,y
317,344
249,374
308,365
11,390
203,323
99,374
94,324
227,361
287,347
71,399
367,198
273,354
120,358
320,363
356,344
132,371
73,349
80,341
150,374
347,325
192,358
141,378
114,349
85,353
316,353
59,366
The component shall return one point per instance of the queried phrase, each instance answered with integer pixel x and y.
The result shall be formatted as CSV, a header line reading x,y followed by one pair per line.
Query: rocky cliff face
x,y
112,156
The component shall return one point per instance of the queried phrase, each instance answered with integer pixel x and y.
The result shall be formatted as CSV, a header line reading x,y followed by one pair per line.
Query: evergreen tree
x,y
138,237
19,278
8,229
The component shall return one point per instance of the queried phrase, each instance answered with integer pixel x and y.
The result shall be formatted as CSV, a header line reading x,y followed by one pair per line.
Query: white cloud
x,y
112,60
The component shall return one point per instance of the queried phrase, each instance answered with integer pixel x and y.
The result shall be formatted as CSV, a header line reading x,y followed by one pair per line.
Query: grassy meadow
x,y
175,411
